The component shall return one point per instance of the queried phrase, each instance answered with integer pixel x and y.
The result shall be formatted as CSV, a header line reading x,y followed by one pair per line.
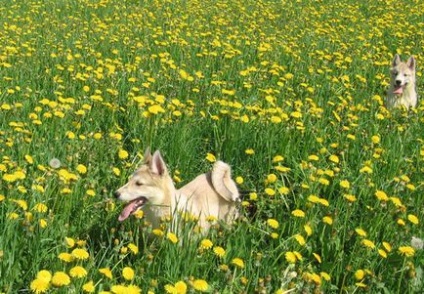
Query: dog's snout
x,y
398,82
116,194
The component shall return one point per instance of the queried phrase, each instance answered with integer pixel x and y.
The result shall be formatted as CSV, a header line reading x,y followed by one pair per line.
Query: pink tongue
x,y
398,91
127,211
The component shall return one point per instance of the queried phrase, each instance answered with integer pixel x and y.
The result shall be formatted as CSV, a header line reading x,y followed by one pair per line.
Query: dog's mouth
x,y
132,207
398,90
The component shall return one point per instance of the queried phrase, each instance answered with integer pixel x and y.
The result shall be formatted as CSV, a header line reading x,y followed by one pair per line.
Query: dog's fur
x,y
151,188
402,90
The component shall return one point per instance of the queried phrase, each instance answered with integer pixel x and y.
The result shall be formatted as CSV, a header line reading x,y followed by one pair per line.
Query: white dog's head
x,y
402,74
149,184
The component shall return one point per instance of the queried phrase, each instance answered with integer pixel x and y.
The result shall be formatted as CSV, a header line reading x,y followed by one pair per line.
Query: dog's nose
x,y
116,194
398,82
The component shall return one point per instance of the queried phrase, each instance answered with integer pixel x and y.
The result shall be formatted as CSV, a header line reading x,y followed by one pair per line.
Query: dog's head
x,y
402,74
149,184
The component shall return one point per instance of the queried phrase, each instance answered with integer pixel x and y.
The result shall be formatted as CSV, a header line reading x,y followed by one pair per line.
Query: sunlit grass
x,y
289,93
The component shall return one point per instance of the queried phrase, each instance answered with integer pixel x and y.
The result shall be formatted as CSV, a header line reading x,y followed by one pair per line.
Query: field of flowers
x,y
289,93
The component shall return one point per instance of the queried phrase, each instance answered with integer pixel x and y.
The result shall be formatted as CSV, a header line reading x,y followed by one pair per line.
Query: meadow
x,y
289,93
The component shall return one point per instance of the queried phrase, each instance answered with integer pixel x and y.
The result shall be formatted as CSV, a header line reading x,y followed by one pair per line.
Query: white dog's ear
x,y
222,182
147,157
411,63
157,164
396,60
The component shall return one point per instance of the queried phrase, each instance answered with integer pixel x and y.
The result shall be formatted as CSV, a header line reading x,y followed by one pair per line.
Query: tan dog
x,y
402,90
213,194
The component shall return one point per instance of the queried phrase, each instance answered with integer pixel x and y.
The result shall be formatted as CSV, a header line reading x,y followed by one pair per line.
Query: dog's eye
x,y
138,183
394,73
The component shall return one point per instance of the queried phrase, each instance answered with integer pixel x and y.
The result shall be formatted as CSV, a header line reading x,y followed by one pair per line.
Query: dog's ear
x,y
411,63
396,60
147,157
222,182
157,164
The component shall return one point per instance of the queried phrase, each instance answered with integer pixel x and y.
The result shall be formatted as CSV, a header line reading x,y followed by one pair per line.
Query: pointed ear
x,y
396,60
157,164
222,182
147,158
411,63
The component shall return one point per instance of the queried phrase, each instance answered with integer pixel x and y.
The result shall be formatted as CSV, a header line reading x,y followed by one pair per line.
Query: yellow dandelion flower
x,y
325,276
298,213
158,232
106,272
349,197
413,219
116,171
89,287
77,272
382,253
200,285
90,192
29,159
238,262
122,154
69,242
206,244
271,178
249,151
327,220
274,235
290,257
401,222
119,289
273,223
60,279
317,257
277,158
375,139
361,232
180,287
133,248
345,184
312,277
82,169
172,237
359,274
66,257
313,198
407,251
387,246
219,251
284,190
239,180
299,238
44,275
80,253
128,273
334,158
308,229
313,157
39,286
40,207
381,195
269,192
210,157
368,243
170,289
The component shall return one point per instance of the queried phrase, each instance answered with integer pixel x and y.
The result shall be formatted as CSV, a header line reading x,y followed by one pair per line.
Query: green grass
x,y
246,81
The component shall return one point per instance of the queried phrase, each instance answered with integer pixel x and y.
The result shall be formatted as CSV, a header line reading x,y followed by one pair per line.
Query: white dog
x,y
402,90
211,195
